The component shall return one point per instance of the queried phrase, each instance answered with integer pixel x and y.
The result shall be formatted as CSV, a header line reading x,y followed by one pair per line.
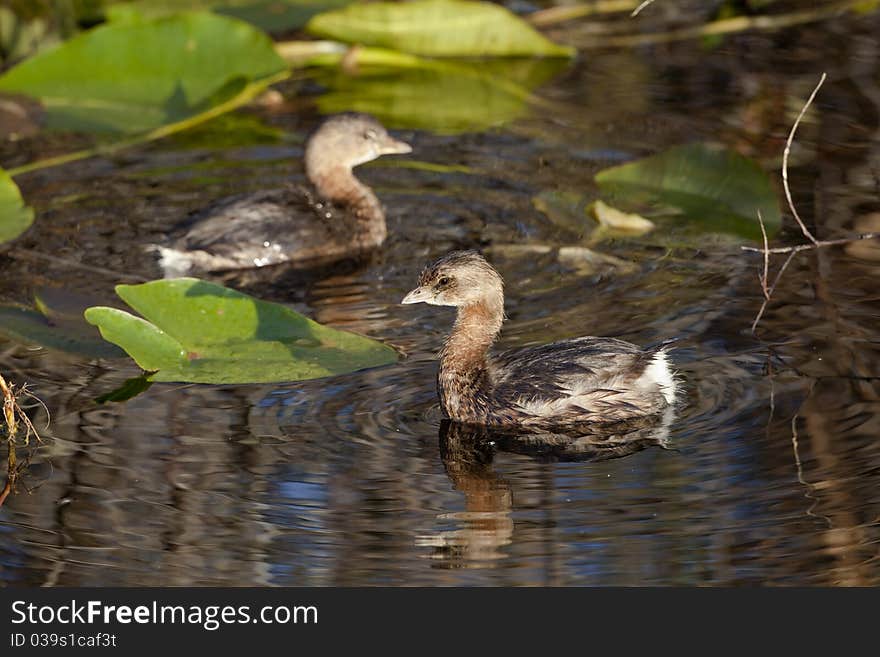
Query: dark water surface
x,y
770,473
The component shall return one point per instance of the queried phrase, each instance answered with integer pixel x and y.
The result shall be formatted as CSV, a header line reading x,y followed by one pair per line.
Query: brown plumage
x,y
336,217
579,381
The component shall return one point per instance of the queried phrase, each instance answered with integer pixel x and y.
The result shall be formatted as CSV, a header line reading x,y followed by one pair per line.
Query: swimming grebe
x,y
337,217
584,380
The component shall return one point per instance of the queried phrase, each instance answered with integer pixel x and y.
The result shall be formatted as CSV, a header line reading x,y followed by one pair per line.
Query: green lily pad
x,y
15,216
715,188
408,92
438,28
273,16
200,332
133,77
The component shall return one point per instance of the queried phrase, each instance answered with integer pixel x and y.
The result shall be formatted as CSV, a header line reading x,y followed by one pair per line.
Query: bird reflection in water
x,y
486,524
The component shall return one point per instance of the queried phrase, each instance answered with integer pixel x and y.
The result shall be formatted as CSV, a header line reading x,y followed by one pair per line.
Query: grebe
x,y
584,380
336,217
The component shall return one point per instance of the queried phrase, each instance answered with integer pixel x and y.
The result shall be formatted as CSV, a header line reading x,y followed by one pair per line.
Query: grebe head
x,y
461,278
348,140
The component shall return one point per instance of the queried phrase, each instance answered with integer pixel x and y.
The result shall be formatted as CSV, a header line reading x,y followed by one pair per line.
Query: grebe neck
x,y
463,378
339,185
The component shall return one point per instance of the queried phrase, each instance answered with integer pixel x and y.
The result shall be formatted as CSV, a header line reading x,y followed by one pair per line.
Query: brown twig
x,y
788,143
762,276
640,7
816,245
792,250
769,293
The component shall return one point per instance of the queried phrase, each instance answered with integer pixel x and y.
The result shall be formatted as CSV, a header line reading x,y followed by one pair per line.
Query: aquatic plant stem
x,y
12,417
9,413
726,26
554,15
246,95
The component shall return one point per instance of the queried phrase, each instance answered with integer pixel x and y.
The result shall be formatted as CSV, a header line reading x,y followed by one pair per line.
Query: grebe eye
x,y
370,134
444,280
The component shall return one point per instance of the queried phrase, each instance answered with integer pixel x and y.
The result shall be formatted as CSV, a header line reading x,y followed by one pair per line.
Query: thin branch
x,y
769,293
792,250
763,276
640,7
785,153
818,244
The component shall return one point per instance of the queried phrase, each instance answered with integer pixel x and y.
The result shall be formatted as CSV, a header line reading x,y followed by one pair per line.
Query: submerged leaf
x,y
404,91
563,208
15,216
617,221
205,333
588,261
438,28
701,183
66,334
133,77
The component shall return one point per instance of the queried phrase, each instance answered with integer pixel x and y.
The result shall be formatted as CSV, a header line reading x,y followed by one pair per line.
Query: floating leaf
x,y
439,28
620,222
404,91
134,77
15,216
205,333
273,16
56,323
709,185
588,261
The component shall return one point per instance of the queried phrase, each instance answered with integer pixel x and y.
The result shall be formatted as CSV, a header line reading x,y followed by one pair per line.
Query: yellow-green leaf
x,y
15,216
438,28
